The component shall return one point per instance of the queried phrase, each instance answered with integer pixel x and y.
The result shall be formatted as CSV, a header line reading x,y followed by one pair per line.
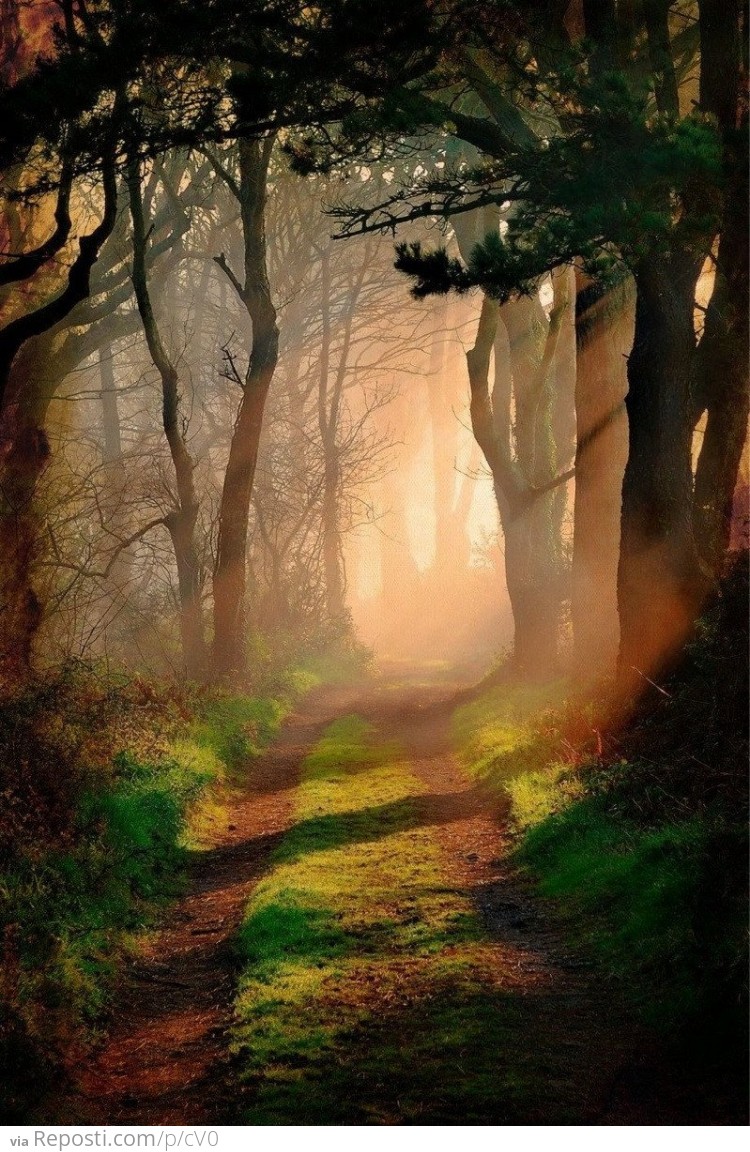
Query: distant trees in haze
x,y
610,137
86,123
587,164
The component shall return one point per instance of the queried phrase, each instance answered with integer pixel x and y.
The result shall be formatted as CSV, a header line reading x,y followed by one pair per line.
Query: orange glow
x,y
25,34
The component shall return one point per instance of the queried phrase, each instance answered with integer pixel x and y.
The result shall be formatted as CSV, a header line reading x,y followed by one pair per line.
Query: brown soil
x,y
577,1030
166,1059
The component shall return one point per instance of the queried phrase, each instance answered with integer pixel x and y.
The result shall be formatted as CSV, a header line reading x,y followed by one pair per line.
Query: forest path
x,y
165,1059
434,990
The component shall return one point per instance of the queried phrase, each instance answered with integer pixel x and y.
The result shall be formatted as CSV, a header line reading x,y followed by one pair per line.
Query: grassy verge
x,y
108,788
370,993
510,740
654,905
642,843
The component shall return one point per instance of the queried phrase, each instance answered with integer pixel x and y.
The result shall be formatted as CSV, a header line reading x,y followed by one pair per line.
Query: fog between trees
x,y
227,424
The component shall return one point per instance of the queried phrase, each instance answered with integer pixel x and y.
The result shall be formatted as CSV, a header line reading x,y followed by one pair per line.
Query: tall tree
x,y
181,520
514,427
606,166
721,386
604,337
253,290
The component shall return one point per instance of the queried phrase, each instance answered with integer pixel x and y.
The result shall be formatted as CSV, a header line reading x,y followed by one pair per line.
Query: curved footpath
x,y
356,948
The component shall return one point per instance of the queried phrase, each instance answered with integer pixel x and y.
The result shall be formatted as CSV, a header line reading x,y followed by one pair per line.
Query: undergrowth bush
x,y
107,784
295,659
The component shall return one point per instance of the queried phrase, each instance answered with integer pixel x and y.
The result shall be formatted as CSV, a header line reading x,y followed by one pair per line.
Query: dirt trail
x,y
166,1058
586,1041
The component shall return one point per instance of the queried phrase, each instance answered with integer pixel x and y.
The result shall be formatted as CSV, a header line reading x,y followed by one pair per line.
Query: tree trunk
x,y
564,373
722,377
660,581
332,557
229,572
181,525
723,380
328,418
114,502
533,545
229,649
181,520
532,560
29,376
24,456
604,331
21,610
531,575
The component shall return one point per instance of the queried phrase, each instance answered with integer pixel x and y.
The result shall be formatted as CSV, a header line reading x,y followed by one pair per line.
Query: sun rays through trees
x,y
373,545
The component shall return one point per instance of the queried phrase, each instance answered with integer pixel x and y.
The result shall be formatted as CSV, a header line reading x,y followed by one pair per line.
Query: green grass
x,y
497,736
508,740
71,912
76,908
644,895
651,905
370,993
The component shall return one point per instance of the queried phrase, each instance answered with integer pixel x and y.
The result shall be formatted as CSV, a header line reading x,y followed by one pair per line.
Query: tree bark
x,y
181,520
531,544
604,333
540,358
660,581
722,389
328,413
524,484
114,488
31,369
229,572
564,436
723,382
674,533
38,371
229,656
77,288
332,554
525,480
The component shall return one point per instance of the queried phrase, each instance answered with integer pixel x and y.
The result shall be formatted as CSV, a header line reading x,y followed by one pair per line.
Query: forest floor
x,y
356,947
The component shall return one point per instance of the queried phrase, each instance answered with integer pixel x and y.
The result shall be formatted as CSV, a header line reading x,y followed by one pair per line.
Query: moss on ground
x,y
370,991
634,867
508,739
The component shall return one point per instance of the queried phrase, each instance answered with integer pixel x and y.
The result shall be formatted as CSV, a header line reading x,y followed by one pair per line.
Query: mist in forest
x,y
374,484
369,386
372,506
371,498
248,430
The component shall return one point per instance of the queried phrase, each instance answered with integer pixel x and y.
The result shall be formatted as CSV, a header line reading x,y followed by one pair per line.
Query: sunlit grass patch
x,y
365,979
235,728
228,733
500,736
344,747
